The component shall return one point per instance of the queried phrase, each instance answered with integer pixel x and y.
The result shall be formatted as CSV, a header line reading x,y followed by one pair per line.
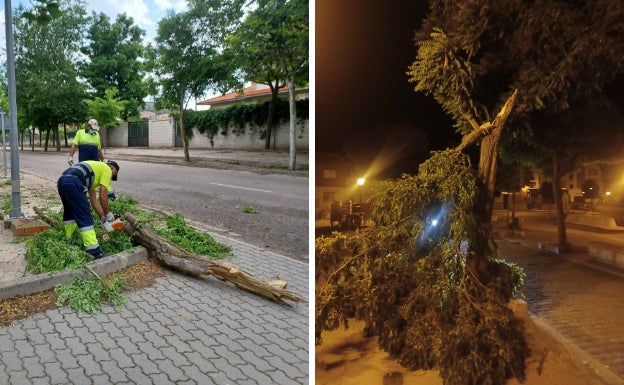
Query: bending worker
x,y
88,143
82,180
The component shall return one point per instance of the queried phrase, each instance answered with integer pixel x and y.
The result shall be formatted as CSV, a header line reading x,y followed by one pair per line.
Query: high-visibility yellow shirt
x,y
88,145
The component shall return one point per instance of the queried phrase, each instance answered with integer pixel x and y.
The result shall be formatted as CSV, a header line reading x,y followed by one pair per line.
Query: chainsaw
x,y
117,225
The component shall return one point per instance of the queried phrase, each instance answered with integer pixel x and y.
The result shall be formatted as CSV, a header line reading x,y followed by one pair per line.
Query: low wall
x,y
251,138
594,221
162,135
607,253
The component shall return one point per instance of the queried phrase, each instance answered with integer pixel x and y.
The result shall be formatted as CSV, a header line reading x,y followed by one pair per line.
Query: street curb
x,y
40,282
579,356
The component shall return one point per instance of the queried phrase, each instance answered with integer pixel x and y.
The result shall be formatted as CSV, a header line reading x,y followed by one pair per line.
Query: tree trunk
x,y
484,205
292,107
57,138
271,118
487,177
562,240
488,162
47,140
514,223
187,157
174,257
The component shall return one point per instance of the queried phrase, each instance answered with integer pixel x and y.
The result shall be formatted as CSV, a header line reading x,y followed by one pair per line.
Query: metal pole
x,y
16,205
3,116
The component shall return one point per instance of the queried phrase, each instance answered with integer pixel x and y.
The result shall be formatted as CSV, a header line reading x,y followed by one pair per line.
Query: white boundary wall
x,y
162,135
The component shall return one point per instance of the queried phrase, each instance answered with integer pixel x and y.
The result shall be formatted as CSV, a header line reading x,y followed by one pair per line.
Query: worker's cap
x,y
114,164
94,124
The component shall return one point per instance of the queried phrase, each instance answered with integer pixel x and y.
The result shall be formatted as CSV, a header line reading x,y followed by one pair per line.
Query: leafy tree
x,y
183,58
43,11
561,142
115,52
108,110
438,298
476,60
49,93
270,46
4,91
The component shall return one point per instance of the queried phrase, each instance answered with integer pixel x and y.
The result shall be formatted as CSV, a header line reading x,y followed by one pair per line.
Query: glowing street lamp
x,y
360,183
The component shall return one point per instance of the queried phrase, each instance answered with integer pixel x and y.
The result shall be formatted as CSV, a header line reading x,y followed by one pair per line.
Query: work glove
x,y
112,196
106,225
70,160
110,217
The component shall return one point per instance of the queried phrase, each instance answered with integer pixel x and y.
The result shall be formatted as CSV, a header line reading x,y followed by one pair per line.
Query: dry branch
x,y
174,257
49,220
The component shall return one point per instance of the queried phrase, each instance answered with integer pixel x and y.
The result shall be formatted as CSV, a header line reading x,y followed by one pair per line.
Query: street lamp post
x,y
2,116
16,205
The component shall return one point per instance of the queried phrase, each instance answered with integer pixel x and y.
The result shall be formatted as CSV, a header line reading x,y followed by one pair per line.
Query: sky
x,y
146,13
363,97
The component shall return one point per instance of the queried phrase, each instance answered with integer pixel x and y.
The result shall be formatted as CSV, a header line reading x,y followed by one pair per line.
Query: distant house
x,y
255,93
335,180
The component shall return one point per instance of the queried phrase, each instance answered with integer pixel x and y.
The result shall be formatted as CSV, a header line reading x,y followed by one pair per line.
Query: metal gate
x,y
178,135
138,134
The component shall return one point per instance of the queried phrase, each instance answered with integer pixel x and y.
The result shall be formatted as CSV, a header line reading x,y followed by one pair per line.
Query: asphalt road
x,y
215,198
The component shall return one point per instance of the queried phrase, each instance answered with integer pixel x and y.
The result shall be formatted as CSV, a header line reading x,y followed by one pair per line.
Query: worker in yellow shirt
x,y
78,188
88,143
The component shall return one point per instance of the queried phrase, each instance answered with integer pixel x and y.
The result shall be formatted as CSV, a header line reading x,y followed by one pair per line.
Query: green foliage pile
x,y
50,251
86,294
217,120
426,280
176,231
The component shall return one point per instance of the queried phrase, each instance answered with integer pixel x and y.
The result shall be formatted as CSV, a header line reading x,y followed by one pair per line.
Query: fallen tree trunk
x,y
173,256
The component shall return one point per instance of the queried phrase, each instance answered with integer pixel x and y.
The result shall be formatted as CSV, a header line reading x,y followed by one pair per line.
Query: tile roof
x,y
247,92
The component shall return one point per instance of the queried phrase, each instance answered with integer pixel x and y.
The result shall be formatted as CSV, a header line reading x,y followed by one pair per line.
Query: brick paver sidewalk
x,y
182,330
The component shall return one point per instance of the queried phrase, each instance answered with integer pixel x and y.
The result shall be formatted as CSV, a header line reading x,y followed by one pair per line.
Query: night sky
x,y
364,101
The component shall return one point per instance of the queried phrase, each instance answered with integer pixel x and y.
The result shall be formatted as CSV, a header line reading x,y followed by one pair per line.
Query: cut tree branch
x,y
174,257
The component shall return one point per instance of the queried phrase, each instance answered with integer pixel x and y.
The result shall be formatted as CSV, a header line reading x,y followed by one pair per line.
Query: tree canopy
x,y
49,92
114,54
473,55
183,57
270,46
